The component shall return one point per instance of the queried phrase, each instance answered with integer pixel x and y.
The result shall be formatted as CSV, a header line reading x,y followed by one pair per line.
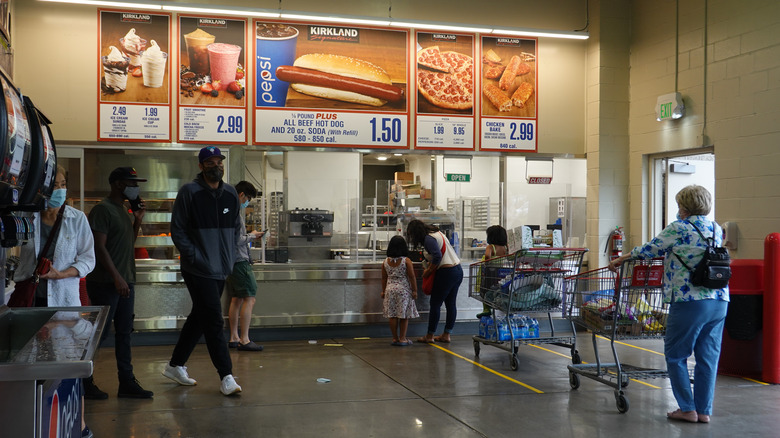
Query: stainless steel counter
x,y
299,294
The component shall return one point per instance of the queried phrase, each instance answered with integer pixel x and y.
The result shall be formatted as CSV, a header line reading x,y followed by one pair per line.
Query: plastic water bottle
x,y
523,327
534,328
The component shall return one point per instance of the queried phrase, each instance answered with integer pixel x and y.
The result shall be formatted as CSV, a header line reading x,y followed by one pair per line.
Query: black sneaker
x,y
92,392
133,389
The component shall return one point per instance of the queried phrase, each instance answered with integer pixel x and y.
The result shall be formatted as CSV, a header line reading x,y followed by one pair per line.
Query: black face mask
x,y
213,173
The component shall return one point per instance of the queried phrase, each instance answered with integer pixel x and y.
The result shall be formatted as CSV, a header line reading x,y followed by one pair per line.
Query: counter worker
x,y
241,283
112,281
205,227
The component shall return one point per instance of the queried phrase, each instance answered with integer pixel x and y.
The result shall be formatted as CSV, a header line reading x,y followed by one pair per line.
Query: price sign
x,y
135,122
212,125
330,128
508,134
449,132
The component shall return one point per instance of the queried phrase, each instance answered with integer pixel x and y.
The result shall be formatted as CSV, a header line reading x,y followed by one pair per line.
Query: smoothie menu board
x,y
444,80
509,94
134,76
327,85
212,80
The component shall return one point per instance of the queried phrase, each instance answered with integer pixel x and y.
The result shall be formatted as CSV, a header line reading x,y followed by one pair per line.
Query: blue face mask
x,y
58,197
245,204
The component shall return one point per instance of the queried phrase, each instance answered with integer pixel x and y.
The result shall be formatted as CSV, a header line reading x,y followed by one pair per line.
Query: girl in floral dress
x,y
399,290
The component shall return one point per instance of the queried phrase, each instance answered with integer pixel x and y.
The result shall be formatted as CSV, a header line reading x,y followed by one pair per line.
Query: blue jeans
x,y
121,312
205,319
445,290
694,327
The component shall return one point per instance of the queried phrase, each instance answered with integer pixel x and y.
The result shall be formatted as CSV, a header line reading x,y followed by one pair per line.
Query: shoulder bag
x,y
24,291
427,284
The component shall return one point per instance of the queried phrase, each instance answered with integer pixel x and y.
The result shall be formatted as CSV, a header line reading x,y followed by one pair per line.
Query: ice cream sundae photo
x,y
115,70
132,46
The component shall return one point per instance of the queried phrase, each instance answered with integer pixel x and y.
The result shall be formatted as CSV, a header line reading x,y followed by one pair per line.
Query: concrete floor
x,y
441,390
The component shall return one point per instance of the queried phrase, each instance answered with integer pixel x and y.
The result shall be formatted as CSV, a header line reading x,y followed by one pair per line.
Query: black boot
x,y
91,391
132,389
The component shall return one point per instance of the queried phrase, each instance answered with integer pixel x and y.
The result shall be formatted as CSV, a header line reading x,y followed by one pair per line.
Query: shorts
x,y
241,282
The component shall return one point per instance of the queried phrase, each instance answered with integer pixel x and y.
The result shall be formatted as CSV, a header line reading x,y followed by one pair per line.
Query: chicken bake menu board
x,y
314,84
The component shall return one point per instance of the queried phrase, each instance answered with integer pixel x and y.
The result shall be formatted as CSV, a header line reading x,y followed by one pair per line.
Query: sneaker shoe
x,y
229,385
178,375
86,433
250,346
92,392
132,389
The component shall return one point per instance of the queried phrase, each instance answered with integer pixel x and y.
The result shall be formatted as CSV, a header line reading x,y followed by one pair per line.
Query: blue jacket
x,y
206,227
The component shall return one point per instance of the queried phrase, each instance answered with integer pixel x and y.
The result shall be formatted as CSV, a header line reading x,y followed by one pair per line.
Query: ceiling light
x,y
382,158
331,19
108,3
543,33
398,155
221,11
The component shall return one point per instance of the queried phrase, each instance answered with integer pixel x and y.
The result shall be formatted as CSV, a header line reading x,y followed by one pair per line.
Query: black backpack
x,y
714,270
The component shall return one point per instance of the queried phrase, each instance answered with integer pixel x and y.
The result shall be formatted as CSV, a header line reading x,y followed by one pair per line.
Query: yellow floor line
x,y
632,346
490,370
755,381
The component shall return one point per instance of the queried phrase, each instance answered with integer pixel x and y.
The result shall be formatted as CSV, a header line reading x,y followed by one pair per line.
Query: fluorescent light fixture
x,y
221,11
543,33
107,3
443,27
330,19
398,155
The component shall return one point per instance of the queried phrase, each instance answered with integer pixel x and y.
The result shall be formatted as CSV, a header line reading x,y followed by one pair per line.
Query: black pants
x,y
205,319
121,312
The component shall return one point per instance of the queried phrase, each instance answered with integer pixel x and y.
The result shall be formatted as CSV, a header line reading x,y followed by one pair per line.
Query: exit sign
x,y
460,177
539,179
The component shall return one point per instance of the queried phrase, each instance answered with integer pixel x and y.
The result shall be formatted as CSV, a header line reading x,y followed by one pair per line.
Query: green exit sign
x,y
460,177
665,111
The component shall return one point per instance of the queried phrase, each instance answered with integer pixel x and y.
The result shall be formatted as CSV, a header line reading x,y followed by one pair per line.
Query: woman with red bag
x,y
444,265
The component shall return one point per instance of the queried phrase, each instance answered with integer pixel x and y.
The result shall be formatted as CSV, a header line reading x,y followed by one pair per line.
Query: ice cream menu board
x,y
326,85
445,91
509,94
212,80
134,76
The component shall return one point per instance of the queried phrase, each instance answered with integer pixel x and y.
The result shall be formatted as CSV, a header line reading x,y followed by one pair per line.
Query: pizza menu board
x,y
134,76
445,91
509,94
212,80
327,85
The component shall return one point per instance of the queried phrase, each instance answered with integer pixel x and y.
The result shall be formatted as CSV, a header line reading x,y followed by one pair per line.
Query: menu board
x,y
326,85
509,94
444,78
212,80
134,76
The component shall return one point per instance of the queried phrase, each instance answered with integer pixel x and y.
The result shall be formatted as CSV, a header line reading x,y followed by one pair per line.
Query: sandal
x,y
441,339
689,416
703,418
425,340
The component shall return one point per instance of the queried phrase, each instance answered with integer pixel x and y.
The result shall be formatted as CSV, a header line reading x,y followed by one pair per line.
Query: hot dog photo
x,y
331,67
508,68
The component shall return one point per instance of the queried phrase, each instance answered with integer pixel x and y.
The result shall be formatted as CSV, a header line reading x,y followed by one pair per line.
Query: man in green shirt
x,y
111,282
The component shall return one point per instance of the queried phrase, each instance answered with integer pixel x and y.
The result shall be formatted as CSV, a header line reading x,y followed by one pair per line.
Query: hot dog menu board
x,y
509,94
327,85
212,80
134,76
444,78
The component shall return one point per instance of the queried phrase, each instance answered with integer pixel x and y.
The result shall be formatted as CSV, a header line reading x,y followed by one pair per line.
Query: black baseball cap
x,y
208,152
124,173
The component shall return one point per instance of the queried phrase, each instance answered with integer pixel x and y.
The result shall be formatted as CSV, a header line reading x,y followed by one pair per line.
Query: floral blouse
x,y
681,238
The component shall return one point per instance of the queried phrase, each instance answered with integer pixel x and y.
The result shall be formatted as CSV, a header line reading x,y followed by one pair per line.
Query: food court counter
x,y
330,292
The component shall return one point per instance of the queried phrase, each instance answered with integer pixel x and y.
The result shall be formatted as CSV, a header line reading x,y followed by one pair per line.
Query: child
x,y
497,247
399,290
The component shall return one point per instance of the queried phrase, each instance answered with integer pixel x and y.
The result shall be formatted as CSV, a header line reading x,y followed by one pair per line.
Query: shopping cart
x,y
528,281
623,305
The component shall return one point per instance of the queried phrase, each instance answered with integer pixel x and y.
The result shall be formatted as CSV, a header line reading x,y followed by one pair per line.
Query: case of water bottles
x,y
503,328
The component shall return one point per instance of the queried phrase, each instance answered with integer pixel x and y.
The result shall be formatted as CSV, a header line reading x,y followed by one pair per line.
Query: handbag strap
x,y
54,230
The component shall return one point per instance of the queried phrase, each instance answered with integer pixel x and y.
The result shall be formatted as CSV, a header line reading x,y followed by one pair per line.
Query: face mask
x,y
131,193
58,197
213,173
245,204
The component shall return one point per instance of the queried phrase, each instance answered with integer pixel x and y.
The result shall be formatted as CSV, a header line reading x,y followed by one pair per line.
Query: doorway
x,y
672,173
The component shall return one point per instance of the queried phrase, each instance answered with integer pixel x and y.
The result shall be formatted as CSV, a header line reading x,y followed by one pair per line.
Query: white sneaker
x,y
229,385
178,375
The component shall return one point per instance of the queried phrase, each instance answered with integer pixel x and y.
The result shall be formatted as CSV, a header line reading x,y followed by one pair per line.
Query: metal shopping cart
x,y
528,281
623,305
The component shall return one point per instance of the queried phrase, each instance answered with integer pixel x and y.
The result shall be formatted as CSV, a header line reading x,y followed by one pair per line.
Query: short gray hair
x,y
695,199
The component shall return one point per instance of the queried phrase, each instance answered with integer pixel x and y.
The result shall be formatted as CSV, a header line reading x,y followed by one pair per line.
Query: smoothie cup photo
x,y
197,43
275,46
223,59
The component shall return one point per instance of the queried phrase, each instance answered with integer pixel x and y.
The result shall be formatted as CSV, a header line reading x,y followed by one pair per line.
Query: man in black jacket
x,y
205,227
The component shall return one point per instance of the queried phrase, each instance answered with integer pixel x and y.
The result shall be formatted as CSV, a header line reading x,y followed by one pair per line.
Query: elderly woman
x,y
696,313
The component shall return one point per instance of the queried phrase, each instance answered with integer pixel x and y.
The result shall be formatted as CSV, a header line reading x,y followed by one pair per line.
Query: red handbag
x,y
24,291
427,283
